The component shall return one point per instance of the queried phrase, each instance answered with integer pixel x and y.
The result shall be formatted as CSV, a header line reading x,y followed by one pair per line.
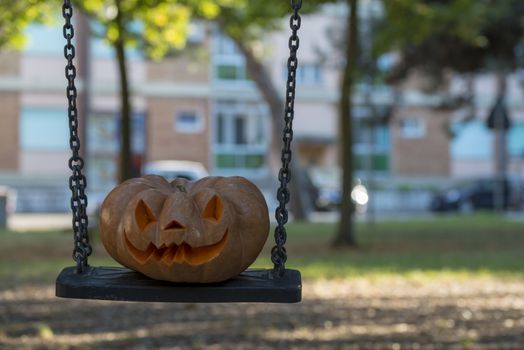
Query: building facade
x,y
202,106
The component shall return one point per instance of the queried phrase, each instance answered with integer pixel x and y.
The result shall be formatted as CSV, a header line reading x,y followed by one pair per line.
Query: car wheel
x,y
466,207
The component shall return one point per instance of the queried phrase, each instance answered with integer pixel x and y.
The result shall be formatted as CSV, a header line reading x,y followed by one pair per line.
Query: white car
x,y
171,169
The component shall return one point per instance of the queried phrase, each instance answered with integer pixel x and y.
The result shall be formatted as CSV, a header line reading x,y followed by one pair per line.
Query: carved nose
x,y
175,212
174,225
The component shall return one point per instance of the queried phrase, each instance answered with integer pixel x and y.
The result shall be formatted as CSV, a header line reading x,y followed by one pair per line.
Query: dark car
x,y
324,184
479,195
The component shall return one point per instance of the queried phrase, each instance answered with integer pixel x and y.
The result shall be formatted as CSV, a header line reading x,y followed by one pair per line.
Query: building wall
x,y
316,120
9,151
189,82
10,102
317,154
419,152
315,42
165,142
185,68
9,63
166,139
473,145
44,162
471,168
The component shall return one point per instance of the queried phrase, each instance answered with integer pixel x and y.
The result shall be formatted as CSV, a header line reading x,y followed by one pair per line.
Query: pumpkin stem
x,y
179,185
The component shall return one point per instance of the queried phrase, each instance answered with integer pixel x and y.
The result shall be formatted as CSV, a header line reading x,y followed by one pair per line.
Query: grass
x,y
452,246
456,247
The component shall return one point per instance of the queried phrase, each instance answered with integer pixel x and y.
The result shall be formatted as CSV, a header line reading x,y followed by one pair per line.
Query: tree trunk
x,y
501,147
300,201
345,233
126,170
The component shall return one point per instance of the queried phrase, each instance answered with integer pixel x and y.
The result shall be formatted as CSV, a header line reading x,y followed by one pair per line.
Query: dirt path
x,y
357,314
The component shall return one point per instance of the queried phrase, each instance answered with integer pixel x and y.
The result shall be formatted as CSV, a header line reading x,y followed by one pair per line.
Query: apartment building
x,y
201,105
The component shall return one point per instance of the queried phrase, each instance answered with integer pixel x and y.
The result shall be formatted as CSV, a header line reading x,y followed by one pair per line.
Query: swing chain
x,y
278,253
77,181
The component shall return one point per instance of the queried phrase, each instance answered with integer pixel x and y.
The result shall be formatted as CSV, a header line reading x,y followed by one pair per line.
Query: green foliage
x,y
16,15
414,21
460,35
157,26
250,21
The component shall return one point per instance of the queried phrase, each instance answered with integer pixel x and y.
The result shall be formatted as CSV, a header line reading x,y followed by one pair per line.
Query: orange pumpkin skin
x,y
203,231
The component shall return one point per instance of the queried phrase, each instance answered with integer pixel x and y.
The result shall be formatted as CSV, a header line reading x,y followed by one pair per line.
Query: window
x,y
100,48
240,130
307,73
377,162
224,46
44,40
103,133
229,65
516,141
220,129
412,128
230,72
371,146
189,122
472,141
103,143
240,138
44,129
47,40
196,33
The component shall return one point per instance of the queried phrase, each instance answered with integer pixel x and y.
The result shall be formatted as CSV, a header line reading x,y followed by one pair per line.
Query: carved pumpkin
x,y
204,231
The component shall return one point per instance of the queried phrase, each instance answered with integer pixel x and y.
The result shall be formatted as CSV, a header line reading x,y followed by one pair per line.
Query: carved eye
x,y
144,215
214,209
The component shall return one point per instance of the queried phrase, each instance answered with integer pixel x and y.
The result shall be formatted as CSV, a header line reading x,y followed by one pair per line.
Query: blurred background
x,y
408,150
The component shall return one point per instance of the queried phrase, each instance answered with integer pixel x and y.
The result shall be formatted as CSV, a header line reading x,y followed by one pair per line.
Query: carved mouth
x,y
177,254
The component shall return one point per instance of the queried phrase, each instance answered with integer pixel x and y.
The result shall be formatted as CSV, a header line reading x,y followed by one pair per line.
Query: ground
x,y
446,283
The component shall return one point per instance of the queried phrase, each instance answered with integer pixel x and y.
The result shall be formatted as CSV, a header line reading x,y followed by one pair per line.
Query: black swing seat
x,y
118,283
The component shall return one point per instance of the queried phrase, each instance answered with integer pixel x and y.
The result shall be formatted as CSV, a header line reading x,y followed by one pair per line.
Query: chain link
x,y
278,253
77,181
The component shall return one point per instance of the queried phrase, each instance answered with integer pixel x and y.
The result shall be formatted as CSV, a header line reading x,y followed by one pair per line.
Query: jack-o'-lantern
x,y
204,231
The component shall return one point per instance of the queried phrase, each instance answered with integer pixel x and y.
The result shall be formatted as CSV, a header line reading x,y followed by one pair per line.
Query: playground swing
x,y
278,285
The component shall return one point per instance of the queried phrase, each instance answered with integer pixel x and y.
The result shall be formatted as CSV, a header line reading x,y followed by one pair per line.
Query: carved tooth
x,y
157,254
150,252
180,254
167,257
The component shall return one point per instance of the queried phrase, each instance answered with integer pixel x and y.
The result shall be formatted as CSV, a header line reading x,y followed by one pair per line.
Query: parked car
x,y
171,169
479,194
325,187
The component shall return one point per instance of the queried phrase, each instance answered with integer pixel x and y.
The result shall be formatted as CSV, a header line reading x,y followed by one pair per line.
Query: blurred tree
x,y
16,15
345,232
156,26
246,26
435,37
357,59
464,36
